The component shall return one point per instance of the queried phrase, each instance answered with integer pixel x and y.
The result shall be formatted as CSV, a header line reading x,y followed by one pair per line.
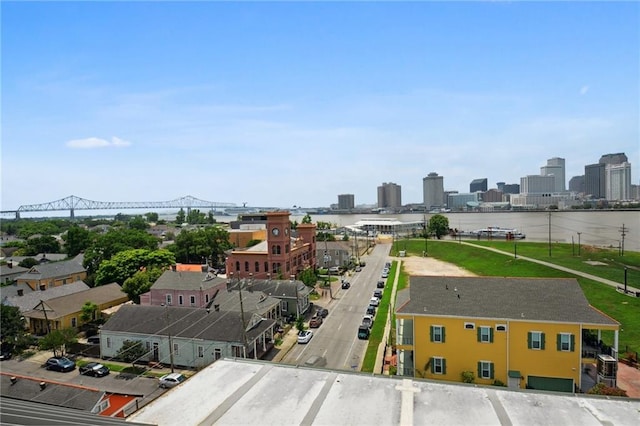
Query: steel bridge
x,y
73,203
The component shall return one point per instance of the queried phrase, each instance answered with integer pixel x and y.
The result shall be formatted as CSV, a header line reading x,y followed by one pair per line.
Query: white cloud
x,y
90,143
584,90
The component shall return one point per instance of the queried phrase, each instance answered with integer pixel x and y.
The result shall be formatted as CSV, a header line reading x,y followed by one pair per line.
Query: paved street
x,y
336,339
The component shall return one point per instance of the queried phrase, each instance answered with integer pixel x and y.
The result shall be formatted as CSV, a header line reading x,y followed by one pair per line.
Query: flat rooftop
x,y
244,392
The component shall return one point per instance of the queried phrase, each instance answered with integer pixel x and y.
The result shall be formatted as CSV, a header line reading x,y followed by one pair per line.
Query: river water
x,y
598,228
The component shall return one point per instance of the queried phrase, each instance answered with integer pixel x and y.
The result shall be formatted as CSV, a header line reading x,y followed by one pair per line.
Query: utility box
x,y
607,370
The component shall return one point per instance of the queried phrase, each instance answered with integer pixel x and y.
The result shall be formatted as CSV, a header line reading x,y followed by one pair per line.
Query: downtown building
x,y
389,196
433,191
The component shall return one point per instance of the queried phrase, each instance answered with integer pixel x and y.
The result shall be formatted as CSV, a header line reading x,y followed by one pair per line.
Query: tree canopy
x,y
58,340
131,351
12,323
201,244
126,263
438,226
114,241
141,283
76,239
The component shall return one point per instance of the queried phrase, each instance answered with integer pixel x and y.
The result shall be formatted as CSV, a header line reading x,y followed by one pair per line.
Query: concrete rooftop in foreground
x,y
245,392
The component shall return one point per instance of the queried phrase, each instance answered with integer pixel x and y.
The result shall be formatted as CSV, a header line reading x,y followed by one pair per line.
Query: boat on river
x,y
490,233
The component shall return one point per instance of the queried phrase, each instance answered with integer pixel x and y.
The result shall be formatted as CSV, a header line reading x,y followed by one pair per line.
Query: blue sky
x,y
293,103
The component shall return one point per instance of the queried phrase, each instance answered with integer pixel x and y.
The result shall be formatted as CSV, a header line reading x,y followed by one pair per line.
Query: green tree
x,y
58,340
126,263
28,262
138,222
300,323
294,224
252,243
200,244
306,218
152,217
88,313
196,217
114,241
325,236
308,276
76,240
438,225
140,283
180,218
42,244
131,351
12,323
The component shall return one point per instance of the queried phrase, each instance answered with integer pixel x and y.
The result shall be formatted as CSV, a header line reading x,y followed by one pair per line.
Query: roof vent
x,y
20,292
14,380
43,385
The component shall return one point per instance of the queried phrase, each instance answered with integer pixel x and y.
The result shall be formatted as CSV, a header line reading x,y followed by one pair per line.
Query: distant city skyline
x,y
293,103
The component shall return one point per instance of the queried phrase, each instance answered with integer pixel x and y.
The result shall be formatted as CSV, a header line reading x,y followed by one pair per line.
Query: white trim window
x,y
438,365
535,340
200,351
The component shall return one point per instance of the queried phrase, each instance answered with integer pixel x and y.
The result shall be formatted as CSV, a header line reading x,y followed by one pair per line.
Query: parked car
x,y
60,364
171,380
334,270
371,310
367,320
346,284
322,312
6,351
315,322
374,301
387,265
380,284
363,332
94,369
315,361
358,269
377,293
94,340
385,274
304,336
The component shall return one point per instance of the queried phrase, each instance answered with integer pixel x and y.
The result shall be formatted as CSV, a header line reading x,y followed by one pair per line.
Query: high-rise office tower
x,y
389,195
555,167
576,184
433,191
537,184
478,185
594,180
618,181
346,201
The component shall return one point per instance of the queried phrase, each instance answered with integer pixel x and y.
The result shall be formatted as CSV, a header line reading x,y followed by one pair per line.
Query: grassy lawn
x,y
377,331
622,308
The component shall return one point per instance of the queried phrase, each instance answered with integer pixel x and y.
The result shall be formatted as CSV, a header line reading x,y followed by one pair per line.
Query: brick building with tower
x,y
280,256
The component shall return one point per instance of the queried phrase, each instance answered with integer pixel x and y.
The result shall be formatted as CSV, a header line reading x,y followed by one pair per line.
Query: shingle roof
x,y
71,303
541,299
252,301
184,280
53,270
54,393
184,322
280,289
31,298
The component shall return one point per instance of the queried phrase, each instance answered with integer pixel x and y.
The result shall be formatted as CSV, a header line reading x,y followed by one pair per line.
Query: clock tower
x,y
279,243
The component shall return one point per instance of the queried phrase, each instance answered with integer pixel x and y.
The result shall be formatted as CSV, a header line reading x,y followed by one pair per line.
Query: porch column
x,y
614,349
255,349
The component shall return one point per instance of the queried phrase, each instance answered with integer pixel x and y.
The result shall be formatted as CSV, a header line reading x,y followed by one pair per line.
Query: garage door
x,y
550,384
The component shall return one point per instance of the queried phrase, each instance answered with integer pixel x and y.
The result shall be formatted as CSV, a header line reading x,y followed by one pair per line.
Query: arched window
x,y
237,265
266,266
246,266
257,267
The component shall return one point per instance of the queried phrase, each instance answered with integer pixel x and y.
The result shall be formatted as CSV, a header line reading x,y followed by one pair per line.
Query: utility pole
x,y
549,234
579,243
244,324
166,315
46,320
623,232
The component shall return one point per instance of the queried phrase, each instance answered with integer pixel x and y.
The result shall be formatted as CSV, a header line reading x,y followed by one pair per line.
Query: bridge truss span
x,y
73,203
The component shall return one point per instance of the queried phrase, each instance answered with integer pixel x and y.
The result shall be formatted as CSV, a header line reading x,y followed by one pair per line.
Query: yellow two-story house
x,y
520,332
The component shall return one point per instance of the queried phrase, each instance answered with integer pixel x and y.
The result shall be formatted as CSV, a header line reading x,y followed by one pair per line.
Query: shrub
x,y
602,389
468,377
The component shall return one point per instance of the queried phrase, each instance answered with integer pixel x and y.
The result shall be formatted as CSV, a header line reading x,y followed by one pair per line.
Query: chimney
x,y
20,292
43,287
43,385
10,264
14,380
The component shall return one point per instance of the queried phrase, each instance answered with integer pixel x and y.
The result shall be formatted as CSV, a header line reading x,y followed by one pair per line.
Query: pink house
x,y
184,288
